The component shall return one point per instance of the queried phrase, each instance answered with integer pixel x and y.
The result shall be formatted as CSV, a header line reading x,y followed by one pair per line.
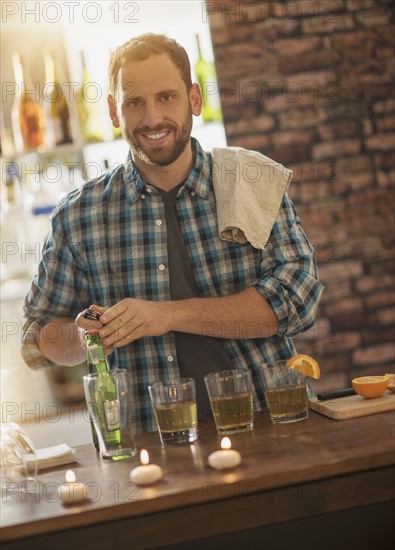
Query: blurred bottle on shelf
x,y
71,179
116,132
27,113
88,107
206,77
6,144
58,119
14,230
40,202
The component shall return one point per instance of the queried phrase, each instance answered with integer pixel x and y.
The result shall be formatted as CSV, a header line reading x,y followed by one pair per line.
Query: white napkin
x,y
55,456
248,188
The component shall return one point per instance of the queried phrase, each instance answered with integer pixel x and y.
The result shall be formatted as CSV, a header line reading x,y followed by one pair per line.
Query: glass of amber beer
x,y
231,399
174,404
285,392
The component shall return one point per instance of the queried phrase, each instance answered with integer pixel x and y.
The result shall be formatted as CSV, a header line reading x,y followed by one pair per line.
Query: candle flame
x,y
226,443
70,476
144,457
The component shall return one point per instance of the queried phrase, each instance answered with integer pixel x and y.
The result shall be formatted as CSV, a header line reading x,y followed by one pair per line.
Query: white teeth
x,y
156,136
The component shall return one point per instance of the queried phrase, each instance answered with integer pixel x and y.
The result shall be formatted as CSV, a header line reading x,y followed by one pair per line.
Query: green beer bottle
x,y
107,403
206,77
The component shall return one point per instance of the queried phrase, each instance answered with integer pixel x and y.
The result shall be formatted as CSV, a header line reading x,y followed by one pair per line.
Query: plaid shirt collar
x,y
199,179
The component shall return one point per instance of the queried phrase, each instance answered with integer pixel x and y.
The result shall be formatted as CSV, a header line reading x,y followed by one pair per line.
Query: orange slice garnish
x,y
391,384
305,365
370,386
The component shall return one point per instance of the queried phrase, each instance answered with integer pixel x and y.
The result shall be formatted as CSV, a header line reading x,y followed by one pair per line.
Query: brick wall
x,y
310,84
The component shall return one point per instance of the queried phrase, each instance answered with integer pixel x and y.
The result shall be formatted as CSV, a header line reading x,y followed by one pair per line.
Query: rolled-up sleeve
x,y
289,275
30,350
58,290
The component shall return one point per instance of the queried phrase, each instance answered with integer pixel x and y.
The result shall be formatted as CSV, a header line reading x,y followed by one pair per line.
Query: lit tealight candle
x,y
72,491
226,458
147,473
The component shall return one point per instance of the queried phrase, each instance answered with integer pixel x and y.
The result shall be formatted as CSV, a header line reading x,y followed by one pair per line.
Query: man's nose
x,y
152,114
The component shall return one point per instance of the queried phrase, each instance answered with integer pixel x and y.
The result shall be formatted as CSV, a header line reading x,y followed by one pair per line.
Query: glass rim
x,y
170,382
225,373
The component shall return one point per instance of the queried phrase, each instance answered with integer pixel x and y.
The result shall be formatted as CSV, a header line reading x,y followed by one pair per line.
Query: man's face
x,y
154,110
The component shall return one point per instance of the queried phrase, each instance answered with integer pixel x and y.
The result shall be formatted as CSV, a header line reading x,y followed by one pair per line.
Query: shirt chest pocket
x,y
113,266
229,251
231,266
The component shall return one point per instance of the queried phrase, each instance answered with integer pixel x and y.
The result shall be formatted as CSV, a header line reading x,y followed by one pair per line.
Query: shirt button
x,y
142,196
193,193
158,222
161,267
170,358
148,189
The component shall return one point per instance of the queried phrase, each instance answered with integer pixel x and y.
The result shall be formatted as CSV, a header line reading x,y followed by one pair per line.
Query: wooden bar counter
x,y
317,478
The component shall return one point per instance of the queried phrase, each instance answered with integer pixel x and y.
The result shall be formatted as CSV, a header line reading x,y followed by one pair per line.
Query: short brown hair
x,y
142,47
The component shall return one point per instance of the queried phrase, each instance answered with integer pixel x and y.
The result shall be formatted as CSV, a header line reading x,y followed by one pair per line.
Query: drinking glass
x,y
231,399
111,410
18,460
285,392
174,404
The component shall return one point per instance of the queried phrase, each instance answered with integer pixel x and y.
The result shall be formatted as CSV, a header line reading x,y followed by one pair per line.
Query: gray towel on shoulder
x,y
249,188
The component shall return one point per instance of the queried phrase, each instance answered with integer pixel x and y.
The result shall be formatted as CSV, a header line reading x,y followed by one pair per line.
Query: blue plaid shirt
x,y
105,245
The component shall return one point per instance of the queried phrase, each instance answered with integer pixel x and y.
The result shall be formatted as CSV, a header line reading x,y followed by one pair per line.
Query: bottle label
x,y
58,130
111,410
94,354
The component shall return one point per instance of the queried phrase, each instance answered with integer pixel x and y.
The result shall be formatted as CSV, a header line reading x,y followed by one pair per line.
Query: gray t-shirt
x,y
197,355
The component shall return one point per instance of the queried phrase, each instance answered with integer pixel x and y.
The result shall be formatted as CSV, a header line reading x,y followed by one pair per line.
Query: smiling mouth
x,y
158,135
155,137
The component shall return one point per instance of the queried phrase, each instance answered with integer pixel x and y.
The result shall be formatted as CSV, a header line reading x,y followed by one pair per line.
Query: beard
x,y
160,156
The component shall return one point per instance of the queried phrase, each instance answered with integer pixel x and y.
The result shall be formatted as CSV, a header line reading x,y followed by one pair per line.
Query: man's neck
x,y
167,177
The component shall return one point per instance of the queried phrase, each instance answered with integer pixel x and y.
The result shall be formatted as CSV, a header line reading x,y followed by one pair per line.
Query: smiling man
x,y
141,245
155,112
154,105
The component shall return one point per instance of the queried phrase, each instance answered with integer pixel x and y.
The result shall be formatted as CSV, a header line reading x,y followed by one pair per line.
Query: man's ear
x,y
195,97
112,109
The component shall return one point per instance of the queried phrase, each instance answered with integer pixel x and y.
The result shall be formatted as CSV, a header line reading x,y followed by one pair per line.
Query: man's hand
x,y
224,317
133,318
84,324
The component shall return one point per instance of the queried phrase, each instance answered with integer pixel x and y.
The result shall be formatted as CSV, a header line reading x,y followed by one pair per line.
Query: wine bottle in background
x,y
71,179
14,229
116,132
6,143
57,109
88,107
206,77
27,113
39,202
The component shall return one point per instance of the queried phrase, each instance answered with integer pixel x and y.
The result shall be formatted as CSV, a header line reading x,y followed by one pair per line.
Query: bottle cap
x,y
93,315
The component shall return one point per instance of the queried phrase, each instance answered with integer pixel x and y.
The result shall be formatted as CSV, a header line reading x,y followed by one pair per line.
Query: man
x,y
141,244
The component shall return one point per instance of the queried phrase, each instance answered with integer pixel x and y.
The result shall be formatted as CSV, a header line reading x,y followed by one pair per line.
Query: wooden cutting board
x,y
353,406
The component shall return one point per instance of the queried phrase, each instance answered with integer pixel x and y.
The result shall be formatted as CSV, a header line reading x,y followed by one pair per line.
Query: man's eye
x,y
134,103
167,97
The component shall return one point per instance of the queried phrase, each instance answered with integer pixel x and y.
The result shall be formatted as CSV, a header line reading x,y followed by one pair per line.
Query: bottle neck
x,y
13,190
49,69
84,71
19,76
199,48
95,351
25,87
